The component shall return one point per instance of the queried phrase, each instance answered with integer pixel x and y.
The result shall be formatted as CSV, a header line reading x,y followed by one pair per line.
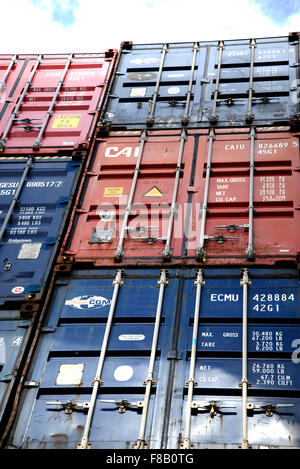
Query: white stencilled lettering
x,y
145,60
208,344
115,152
237,146
224,297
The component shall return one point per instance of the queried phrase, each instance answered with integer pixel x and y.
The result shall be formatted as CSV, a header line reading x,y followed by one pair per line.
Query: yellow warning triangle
x,y
154,192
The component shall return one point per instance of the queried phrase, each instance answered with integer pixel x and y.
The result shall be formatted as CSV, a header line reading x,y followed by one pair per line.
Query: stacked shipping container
x,y
49,108
173,308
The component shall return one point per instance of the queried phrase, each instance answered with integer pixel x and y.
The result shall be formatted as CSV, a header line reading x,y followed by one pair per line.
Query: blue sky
x,y
280,11
47,26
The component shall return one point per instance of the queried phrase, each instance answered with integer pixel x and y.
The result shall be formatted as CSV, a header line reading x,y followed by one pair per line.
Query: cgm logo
x,y
88,302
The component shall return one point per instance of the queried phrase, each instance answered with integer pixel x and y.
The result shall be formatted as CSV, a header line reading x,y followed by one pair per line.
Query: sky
x,y
61,26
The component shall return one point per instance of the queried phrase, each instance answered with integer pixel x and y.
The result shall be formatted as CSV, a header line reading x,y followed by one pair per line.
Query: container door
x,y
156,86
250,82
243,211
215,413
135,200
55,101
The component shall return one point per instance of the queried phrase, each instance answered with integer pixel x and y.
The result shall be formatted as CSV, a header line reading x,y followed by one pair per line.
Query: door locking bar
x,y
185,117
167,252
201,251
250,250
199,282
152,102
117,283
250,115
11,64
162,283
119,252
267,408
245,283
214,118
69,406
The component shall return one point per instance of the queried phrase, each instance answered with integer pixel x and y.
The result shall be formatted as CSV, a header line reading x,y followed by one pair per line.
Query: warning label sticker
x,y
113,191
66,121
153,192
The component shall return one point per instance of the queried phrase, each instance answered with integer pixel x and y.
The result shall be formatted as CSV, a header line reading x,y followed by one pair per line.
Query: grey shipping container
x,y
220,83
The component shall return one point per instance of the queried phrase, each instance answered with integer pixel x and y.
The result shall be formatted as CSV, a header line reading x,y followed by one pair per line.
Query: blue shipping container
x,y
224,83
129,335
35,200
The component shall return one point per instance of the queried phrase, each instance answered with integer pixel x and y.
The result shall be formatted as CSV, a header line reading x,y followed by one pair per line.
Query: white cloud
x,y
101,25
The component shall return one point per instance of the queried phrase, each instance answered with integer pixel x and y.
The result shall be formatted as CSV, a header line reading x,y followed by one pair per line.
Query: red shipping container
x,y
51,102
165,221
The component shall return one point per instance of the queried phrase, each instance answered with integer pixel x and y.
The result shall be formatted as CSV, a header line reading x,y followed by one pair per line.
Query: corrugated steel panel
x,y
35,199
124,307
186,198
220,83
51,102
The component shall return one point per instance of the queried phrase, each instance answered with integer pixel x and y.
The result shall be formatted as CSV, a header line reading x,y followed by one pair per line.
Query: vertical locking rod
x,y
163,282
150,119
15,113
119,252
37,143
191,382
11,64
201,251
214,118
167,252
118,281
14,201
185,117
250,251
250,115
245,282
